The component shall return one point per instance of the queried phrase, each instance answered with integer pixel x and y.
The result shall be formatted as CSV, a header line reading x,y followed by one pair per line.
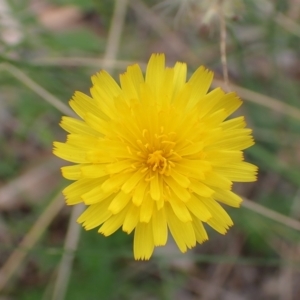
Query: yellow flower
x,y
155,154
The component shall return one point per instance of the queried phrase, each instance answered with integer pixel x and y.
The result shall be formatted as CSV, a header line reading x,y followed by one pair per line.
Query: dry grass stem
x,y
22,77
223,45
271,214
83,61
31,238
114,36
65,266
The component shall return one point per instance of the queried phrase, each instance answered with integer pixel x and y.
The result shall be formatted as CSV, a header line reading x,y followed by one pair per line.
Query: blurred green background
x,y
54,47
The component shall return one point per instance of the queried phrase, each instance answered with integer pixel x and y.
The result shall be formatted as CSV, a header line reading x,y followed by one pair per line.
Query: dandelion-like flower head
x,y
155,155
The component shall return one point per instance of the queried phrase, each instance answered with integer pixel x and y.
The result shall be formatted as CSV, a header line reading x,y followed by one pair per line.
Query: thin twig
x,y
30,239
223,45
114,35
271,214
66,262
93,62
21,76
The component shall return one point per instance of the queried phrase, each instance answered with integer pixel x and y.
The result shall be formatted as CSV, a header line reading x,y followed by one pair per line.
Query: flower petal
x,y
182,232
143,244
94,215
146,209
159,227
155,71
199,209
113,223
131,219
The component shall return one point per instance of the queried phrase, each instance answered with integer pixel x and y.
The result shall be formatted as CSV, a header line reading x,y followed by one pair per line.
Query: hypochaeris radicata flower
x,y
155,155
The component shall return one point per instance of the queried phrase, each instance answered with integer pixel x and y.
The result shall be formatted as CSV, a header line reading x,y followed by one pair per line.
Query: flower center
x,y
157,161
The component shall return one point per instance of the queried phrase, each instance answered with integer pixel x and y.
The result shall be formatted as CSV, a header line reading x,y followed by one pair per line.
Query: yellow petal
x,y
182,97
215,119
70,153
159,227
131,81
236,123
75,126
119,202
234,143
94,215
228,197
220,220
209,101
131,219
200,232
180,209
219,157
191,149
139,192
113,223
98,156
143,244
94,171
155,187
155,71
104,101
72,172
240,172
180,179
165,92
146,209
114,182
74,191
132,180
119,166
180,71
201,189
105,81
230,102
193,168
96,195
82,104
95,122
81,141
200,82
213,179
197,207
178,190
136,75
218,100
182,232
